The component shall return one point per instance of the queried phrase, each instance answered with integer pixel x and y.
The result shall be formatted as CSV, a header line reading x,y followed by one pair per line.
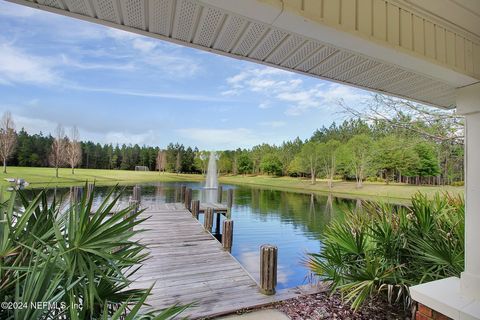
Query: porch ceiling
x,y
211,28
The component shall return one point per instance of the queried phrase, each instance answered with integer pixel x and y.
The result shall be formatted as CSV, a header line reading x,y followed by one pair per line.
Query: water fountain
x,y
211,181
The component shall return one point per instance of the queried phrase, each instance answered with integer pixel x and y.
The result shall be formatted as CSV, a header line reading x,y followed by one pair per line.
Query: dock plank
x,y
187,264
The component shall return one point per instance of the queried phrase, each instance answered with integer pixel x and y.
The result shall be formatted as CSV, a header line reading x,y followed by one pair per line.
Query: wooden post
x,y
133,203
219,194
208,219
182,193
188,199
227,235
133,211
229,198
137,193
217,223
76,194
90,188
195,208
268,269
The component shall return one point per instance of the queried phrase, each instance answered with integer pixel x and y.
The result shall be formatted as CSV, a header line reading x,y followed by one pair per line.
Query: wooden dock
x,y
217,207
187,264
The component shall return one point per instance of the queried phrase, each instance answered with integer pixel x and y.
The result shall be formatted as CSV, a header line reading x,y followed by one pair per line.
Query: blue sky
x,y
118,87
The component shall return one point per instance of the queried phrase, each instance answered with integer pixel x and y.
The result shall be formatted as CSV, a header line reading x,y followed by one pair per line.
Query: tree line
x,y
356,150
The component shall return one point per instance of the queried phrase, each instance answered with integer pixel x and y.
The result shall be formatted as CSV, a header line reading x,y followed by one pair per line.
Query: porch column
x,y
468,104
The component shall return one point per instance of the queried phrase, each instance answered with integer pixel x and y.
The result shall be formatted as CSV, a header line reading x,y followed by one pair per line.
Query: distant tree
x,y
244,163
73,149
428,159
328,159
356,156
225,162
236,154
178,162
188,160
309,158
161,160
287,152
394,155
8,138
271,164
57,155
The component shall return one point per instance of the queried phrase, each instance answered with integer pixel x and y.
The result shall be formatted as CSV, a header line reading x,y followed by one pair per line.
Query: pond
x,y
292,221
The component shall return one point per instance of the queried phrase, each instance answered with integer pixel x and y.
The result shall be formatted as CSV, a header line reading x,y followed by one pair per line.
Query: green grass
x,y
45,177
370,190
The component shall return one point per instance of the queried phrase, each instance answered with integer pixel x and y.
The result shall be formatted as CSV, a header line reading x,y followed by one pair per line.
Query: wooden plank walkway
x,y
218,207
188,264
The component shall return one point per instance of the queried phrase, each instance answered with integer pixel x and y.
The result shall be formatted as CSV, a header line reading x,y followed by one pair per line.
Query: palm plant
x,y
385,249
80,256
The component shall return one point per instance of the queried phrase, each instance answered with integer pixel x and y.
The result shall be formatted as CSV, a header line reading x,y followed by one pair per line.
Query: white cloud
x,y
17,66
279,87
145,46
128,137
69,62
220,138
167,58
33,125
232,92
121,34
273,124
175,65
163,95
265,105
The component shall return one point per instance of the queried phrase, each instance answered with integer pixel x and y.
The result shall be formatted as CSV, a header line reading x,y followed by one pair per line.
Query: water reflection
x,y
294,222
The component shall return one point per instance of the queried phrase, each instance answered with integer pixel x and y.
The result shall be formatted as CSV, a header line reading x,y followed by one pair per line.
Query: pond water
x,y
292,221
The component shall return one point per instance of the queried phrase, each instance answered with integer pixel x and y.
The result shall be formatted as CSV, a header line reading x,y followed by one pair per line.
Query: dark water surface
x,y
292,221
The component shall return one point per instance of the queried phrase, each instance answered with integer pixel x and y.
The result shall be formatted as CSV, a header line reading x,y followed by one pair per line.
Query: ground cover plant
x,y
77,259
384,249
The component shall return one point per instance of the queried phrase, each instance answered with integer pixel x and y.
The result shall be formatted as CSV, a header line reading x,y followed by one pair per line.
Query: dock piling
x,y
182,193
188,199
195,208
229,198
137,193
208,219
227,235
268,269
134,205
90,188
217,223
219,194
76,194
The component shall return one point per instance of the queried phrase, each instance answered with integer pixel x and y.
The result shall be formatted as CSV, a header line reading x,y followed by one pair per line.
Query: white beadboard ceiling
x,y
192,23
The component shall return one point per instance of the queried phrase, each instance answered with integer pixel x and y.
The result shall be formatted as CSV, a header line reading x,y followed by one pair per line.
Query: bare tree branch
x,y
57,155
436,124
8,138
74,149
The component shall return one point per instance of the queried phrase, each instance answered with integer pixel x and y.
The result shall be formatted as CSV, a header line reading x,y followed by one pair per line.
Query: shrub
x,y
70,257
458,183
384,249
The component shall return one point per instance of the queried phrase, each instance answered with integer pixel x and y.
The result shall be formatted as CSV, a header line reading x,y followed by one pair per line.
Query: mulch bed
x,y
323,306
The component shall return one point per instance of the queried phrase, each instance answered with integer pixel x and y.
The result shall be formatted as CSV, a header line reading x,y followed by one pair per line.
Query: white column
x,y
468,104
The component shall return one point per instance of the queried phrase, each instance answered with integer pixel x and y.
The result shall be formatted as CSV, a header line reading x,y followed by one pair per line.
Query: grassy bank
x,y
342,188
45,177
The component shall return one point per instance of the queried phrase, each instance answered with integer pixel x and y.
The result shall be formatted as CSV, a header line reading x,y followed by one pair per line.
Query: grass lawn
x,y
370,190
45,177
